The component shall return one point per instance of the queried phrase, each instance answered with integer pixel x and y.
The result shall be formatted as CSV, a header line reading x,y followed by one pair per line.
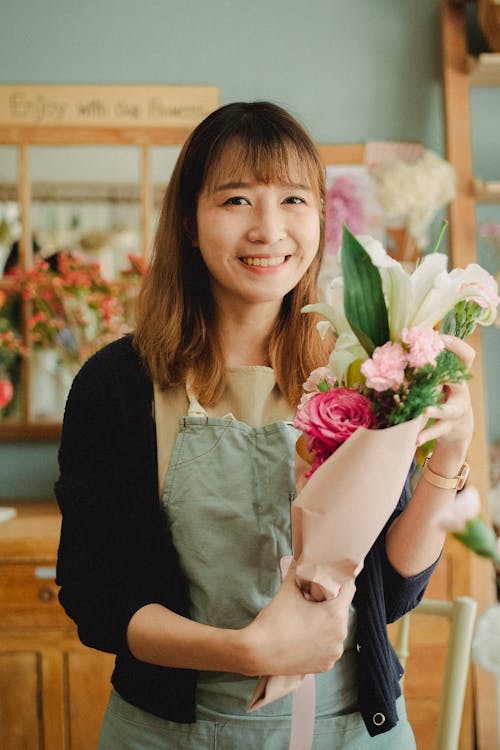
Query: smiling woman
x,y
177,473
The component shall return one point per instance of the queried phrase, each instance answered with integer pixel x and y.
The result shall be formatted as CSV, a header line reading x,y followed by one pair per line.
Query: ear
x,y
189,225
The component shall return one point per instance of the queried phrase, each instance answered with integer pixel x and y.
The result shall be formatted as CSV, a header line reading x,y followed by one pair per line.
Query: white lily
x,y
396,284
347,350
424,297
433,293
333,308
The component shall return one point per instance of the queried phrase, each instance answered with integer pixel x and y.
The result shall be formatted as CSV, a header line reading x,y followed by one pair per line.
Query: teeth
x,y
264,261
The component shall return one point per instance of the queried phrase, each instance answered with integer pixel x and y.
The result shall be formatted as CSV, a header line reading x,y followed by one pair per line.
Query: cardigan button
x,y
358,647
378,719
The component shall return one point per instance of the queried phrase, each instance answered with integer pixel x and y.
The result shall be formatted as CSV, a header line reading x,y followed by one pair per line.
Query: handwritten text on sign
x,y
101,106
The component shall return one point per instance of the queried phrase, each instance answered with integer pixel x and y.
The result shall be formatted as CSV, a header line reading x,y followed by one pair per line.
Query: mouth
x,y
267,262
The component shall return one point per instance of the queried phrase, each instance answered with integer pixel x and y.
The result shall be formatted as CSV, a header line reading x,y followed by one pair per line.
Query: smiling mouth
x,y
265,262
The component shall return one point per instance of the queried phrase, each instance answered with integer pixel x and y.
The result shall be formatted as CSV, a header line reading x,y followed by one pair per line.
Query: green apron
x,y
227,496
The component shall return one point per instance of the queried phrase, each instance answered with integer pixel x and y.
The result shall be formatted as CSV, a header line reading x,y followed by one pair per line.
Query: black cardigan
x,y
116,554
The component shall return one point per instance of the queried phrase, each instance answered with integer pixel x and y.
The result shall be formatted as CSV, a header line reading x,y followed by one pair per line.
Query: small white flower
x,y
454,516
486,643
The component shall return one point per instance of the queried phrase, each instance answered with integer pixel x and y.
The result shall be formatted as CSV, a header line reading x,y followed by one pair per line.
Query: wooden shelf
x,y
484,70
486,191
468,574
29,432
82,192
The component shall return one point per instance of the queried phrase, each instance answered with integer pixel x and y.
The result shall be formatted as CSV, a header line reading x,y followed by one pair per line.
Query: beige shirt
x,y
251,396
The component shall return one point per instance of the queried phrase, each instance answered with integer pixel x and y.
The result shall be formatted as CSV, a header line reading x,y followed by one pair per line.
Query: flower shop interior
x,y
96,100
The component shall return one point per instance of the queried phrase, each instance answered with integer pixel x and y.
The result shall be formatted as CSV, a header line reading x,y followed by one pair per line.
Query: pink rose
x,y
424,345
386,368
330,418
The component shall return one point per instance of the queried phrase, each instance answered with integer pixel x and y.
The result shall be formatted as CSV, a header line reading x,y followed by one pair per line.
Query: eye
x,y
236,200
294,200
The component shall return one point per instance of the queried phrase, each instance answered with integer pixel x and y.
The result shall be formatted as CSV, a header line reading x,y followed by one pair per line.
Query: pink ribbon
x,y
303,713
303,699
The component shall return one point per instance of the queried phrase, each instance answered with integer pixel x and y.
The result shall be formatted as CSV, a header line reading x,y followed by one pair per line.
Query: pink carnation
x,y
424,345
316,376
330,418
386,368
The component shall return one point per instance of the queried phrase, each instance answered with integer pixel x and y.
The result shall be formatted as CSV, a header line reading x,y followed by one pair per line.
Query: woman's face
x,y
257,240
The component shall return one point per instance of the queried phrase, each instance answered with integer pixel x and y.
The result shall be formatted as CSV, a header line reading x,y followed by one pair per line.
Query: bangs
x,y
268,160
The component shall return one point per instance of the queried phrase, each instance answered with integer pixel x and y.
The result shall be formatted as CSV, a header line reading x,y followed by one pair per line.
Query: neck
x,y
245,337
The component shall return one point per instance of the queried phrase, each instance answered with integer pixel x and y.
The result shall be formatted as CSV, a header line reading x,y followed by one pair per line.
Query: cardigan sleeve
x,y
401,593
114,556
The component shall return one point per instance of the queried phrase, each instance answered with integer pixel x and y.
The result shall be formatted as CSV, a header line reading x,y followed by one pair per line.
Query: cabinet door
x,y
88,686
20,691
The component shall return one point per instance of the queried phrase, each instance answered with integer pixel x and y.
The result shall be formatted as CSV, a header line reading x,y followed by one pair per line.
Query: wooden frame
x,y
142,116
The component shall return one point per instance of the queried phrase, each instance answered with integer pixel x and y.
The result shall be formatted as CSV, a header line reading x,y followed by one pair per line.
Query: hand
x,y
294,636
454,418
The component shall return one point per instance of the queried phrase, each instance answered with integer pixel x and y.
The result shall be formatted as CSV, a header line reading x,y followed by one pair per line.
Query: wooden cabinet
x,y
53,690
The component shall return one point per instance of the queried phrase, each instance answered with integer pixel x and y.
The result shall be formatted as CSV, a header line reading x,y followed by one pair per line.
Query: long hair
x,y
176,332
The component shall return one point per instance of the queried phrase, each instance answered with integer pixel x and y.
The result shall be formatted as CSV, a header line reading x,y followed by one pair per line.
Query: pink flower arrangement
x,y
343,206
75,309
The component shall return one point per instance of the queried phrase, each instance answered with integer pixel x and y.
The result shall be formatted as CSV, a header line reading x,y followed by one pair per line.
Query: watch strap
x,y
446,483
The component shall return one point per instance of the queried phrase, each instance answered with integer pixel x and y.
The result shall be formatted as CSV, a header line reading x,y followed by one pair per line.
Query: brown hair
x,y
176,332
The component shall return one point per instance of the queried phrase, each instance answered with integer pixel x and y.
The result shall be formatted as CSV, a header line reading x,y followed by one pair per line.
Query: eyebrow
x,y
237,185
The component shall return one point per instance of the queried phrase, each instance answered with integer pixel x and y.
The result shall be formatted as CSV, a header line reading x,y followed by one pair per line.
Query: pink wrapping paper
x,y
337,516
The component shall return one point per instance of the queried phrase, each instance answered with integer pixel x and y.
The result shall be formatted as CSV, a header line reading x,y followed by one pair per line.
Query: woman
x,y
176,472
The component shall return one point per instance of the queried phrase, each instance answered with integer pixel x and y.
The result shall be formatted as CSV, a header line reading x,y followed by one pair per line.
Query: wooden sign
x,y
105,106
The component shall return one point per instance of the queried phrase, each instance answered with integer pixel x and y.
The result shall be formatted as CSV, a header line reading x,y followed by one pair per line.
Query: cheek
x,y
310,231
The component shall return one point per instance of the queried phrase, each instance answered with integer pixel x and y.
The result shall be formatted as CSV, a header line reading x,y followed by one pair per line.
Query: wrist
x,y
453,482
447,459
248,652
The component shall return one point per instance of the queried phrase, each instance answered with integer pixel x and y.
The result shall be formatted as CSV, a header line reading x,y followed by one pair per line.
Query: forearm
x,y
414,542
159,636
289,636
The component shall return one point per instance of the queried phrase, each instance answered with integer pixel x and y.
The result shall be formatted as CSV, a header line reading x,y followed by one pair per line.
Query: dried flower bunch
x,y
412,191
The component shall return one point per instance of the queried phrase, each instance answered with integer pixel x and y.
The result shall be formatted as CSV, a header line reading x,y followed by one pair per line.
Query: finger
x,y
454,407
431,433
347,591
465,352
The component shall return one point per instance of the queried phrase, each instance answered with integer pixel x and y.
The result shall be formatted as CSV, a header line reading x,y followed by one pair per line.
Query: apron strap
x,y
195,409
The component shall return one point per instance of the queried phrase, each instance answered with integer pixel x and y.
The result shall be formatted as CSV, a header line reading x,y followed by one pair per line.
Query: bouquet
x,y
364,408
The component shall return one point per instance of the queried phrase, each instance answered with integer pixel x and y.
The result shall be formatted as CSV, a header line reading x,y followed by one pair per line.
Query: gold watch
x,y
446,483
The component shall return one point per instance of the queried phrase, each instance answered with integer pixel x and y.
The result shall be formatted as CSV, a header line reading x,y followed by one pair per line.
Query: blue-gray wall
x,y
351,71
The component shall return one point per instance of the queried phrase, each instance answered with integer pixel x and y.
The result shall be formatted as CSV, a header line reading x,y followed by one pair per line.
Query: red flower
x,y
330,418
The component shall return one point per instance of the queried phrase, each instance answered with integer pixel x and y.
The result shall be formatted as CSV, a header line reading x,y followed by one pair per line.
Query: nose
x,y
267,226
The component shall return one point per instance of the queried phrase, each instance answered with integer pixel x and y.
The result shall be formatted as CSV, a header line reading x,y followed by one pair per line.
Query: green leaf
x,y
364,303
480,538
